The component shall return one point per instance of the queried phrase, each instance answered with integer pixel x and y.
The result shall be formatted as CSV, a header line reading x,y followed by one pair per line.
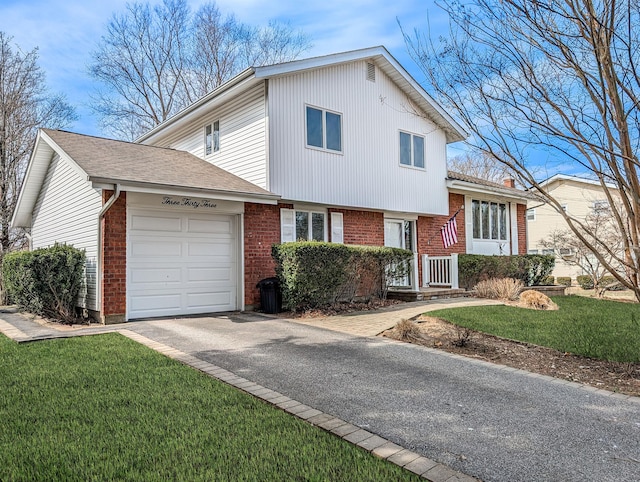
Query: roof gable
x,y
107,162
379,55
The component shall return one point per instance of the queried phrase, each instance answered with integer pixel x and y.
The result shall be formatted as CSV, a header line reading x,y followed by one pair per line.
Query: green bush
x,y
611,283
531,269
548,281
46,281
585,281
314,274
564,280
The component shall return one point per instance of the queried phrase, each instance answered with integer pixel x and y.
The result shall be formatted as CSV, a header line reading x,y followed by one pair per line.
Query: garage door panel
x,y
156,223
224,249
146,248
220,301
211,226
161,275
209,275
187,271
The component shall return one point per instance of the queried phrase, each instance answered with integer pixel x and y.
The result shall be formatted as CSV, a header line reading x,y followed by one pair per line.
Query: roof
x,y
379,55
464,182
580,180
134,166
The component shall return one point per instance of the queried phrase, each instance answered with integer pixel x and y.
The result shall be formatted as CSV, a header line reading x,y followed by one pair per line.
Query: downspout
x,y
99,274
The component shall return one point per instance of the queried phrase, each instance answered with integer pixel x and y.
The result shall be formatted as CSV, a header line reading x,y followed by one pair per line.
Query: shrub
x,y
564,280
407,330
46,281
538,301
314,274
585,281
531,269
499,288
547,281
611,284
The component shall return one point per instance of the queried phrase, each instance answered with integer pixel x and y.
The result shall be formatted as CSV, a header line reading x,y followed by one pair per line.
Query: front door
x,y
398,233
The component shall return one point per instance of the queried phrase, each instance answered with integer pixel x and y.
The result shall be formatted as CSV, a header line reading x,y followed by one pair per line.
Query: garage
x,y
181,263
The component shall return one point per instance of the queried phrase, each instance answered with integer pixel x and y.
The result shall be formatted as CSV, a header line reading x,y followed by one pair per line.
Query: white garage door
x,y
180,263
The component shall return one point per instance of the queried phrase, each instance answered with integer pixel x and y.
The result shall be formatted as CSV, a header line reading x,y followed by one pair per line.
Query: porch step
x,y
426,294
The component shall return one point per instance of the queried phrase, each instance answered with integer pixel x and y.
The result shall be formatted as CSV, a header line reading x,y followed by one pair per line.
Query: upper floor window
x,y
489,220
324,129
600,206
411,150
212,138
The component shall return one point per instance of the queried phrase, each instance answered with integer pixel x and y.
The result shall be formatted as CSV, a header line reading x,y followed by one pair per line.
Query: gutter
x,y
99,274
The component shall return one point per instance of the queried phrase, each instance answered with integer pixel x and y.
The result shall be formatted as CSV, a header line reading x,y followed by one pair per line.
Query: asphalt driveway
x,y
485,420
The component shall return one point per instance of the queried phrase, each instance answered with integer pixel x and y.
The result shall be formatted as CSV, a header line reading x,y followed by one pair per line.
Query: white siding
x,y
242,137
67,212
367,173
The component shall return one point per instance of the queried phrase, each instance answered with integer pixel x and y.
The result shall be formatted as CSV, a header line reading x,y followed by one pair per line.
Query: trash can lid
x,y
268,282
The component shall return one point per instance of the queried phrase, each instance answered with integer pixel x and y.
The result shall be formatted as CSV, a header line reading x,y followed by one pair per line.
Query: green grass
x,y
606,330
106,408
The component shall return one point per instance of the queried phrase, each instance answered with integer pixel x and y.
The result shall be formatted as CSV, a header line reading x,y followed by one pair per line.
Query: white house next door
x,y
180,263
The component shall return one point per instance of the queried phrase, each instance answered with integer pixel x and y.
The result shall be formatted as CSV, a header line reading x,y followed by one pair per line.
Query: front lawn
x,y
606,330
106,408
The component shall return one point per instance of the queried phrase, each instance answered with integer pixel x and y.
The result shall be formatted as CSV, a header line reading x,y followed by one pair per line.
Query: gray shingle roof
x,y
494,185
126,162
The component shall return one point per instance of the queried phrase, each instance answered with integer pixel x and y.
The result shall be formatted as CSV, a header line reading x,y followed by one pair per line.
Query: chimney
x,y
510,182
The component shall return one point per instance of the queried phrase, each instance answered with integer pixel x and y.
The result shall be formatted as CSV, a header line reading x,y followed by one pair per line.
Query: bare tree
x,y
155,61
25,105
574,252
481,165
561,76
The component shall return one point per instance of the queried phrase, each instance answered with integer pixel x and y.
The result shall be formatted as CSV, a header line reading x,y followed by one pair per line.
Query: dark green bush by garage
x,y
45,281
531,269
315,274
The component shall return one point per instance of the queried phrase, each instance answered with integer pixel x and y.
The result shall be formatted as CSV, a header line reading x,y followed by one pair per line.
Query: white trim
x,y
582,180
468,221
324,147
337,228
240,262
513,213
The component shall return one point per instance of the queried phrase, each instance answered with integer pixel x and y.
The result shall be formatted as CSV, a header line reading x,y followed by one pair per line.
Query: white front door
x,y
180,263
398,233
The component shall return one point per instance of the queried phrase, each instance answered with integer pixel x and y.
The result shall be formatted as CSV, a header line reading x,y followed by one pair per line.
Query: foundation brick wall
x,y
114,259
428,232
362,227
522,228
261,231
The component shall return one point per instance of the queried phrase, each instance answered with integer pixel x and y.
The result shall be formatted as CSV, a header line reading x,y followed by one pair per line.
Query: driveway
x,y
488,421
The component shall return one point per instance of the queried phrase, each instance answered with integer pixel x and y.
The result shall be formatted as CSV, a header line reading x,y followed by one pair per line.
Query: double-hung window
x,y
411,150
212,138
489,220
324,129
302,225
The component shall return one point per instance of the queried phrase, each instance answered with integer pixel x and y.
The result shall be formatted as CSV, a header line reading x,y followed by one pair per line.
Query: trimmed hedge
x,y
46,281
564,280
531,269
548,281
585,281
314,274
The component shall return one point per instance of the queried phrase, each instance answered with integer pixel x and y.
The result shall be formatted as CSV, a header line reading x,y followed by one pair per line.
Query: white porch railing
x,y
440,271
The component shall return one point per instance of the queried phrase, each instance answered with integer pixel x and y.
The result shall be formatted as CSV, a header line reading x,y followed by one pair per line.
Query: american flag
x,y
449,232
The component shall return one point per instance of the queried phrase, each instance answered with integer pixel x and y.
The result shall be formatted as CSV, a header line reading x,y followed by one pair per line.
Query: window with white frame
x,y
212,138
532,251
531,214
324,129
489,220
302,225
411,150
600,206
548,251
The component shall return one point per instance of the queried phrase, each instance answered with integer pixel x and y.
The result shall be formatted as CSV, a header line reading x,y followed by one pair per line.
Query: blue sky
x,y
67,31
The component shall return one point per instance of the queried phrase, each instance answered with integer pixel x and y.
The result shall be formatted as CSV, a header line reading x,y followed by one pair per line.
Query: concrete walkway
x,y
372,323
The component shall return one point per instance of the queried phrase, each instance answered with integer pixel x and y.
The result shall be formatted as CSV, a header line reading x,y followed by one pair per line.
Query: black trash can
x,y
270,295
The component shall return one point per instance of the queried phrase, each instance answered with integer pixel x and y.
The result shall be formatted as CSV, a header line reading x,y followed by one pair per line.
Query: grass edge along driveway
x,y
594,328
106,408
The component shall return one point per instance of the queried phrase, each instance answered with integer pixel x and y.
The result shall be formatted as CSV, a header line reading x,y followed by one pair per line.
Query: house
x,y
579,198
346,148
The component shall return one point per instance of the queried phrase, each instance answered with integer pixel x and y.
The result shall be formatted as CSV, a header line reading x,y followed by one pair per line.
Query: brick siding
x,y
362,227
522,228
114,259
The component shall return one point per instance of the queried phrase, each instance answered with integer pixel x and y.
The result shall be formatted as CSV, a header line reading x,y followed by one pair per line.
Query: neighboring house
x,y
579,197
346,148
